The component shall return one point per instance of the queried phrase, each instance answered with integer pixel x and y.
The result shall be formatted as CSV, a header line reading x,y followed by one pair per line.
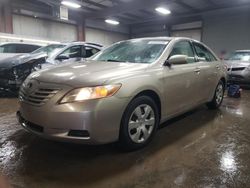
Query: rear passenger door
x,y
209,68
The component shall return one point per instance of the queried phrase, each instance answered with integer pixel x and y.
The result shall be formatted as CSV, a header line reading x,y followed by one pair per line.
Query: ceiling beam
x,y
58,3
121,17
186,6
147,12
133,16
154,19
122,7
93,3
212,3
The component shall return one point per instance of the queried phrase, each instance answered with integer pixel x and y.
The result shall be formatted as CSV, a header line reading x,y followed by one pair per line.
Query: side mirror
x,y
177,60
62,57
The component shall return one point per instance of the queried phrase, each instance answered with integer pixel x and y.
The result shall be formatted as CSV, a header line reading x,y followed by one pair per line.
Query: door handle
x,y
218,67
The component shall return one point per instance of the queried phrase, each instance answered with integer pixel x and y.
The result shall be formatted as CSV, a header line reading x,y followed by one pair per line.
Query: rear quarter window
x,y
26,48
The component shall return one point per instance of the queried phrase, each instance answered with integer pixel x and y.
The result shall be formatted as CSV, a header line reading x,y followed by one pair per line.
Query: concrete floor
x,y
200,149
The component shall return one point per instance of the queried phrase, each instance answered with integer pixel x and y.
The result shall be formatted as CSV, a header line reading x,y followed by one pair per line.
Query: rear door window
x,y
25,48
90,51
30,48
203,53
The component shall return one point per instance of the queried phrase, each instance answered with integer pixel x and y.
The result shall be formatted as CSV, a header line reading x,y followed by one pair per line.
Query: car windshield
x,y
49,49
240,56
133,51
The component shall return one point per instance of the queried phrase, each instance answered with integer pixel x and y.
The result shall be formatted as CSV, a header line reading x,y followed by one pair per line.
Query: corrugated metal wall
x,y
28,26
103,37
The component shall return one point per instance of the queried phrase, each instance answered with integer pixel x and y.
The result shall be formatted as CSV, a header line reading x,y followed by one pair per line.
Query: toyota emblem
x,y
30,85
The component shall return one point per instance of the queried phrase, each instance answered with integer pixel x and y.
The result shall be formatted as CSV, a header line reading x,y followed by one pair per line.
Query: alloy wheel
x,y
219,94
141,123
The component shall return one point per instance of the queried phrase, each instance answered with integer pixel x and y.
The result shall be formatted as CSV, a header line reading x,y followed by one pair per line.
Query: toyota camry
x,y
122,93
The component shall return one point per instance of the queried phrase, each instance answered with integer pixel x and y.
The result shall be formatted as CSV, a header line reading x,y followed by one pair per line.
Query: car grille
x,y
236,69
38,97
238,77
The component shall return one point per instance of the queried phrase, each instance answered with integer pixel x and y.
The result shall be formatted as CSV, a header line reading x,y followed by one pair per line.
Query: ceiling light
x,y
71,4
163,10
113,22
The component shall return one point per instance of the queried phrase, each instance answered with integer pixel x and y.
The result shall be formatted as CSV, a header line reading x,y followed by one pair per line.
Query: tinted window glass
x,y
8,48
31,48
90,51
22,48
18,48
73,52
183,48
204,53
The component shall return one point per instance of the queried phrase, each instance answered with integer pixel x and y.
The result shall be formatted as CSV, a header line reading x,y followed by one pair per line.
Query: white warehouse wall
x,y
33,27
152,34
62,32
105,38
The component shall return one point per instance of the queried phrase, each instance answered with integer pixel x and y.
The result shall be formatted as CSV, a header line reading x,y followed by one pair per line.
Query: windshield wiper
x,y
113,60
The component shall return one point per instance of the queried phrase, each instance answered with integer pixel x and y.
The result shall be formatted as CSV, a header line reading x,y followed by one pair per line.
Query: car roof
x,y
165,38
242,51
4,43
162,38
80,43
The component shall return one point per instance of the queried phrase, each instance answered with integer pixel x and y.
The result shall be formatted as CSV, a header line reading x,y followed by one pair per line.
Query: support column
x,y
2,22
81,31
8,20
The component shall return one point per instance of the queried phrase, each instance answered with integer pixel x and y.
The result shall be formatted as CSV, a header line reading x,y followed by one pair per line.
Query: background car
x,y
14,70
123,92
11,49
238,65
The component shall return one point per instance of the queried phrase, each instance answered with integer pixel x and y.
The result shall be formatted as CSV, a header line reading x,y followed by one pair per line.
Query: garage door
x,y
194,34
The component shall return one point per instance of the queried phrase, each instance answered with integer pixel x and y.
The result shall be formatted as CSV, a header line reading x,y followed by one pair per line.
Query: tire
x,y
218,96
139,123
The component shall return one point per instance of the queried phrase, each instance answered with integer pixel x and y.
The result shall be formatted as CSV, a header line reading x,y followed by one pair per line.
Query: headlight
x,y
36,67
88,93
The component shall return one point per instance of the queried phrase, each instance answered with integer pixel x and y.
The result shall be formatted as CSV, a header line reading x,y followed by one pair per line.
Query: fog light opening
x,y
78,133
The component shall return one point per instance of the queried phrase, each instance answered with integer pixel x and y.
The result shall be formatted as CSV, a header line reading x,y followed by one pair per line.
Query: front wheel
x,y
139,123
218,96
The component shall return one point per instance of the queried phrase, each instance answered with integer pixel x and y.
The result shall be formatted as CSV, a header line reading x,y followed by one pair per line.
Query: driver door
x,y
72,54
181,81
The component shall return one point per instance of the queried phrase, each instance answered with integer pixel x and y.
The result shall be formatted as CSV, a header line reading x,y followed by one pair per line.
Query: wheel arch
x,y
223,79
153,95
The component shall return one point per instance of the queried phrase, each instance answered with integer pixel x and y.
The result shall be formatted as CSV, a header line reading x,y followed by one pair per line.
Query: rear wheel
x,y
218,96
139,123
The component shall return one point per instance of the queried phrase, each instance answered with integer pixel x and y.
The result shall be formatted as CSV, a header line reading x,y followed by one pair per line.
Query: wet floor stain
x,y
202,148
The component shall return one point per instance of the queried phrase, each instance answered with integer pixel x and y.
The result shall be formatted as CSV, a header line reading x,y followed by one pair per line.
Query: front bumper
x,y
8,84
239,77
93,121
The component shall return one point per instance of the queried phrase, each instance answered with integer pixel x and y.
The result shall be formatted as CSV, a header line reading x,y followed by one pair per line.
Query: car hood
x,y
7,55
88,73
12,61
235,64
